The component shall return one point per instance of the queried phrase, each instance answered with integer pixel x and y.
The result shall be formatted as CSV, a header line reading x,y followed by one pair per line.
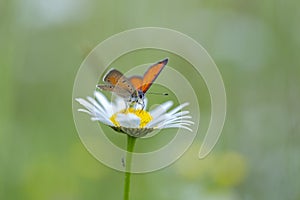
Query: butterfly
x,y
134,88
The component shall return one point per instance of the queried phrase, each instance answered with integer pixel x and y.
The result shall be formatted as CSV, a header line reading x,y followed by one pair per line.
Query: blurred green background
x,y
255,45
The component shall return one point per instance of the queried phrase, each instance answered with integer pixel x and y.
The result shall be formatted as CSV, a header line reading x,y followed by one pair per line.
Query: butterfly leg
x,y
128,105
143,105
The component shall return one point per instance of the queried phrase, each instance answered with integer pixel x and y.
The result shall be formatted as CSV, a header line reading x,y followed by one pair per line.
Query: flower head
x,y
134,121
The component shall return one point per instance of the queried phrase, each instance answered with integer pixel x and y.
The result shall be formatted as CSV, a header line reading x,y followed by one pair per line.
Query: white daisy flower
x,y
135,121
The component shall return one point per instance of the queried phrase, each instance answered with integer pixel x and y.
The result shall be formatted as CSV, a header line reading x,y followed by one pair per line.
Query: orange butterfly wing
x,y
112,76
116,82
151,74
136,81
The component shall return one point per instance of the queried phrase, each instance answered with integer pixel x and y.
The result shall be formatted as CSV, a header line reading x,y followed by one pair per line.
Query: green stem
x,y
130,146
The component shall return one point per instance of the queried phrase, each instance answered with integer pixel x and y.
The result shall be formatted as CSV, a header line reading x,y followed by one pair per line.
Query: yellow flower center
x,y
144,116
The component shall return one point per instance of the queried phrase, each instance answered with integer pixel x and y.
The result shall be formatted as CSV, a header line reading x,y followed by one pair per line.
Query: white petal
x,y
178,108
188,123
88,106
120,104
166,119
85,103
85,111
178,120
157,120
173,119
175,126
181,124
96,104
182,113
156,112
104,102
128,120
94,111
102,120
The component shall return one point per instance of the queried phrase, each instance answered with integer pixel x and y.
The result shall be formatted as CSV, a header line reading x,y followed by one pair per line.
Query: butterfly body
x,y
132,89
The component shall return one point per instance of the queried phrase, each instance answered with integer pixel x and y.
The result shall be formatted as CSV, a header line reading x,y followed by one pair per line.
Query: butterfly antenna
x,y
156,93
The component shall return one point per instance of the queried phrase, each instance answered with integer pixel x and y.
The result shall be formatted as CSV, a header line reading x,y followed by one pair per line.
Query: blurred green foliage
x,y
255,45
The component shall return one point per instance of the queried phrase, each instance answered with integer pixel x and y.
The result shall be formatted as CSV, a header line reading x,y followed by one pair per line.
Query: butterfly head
x,y
140,95
137,97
